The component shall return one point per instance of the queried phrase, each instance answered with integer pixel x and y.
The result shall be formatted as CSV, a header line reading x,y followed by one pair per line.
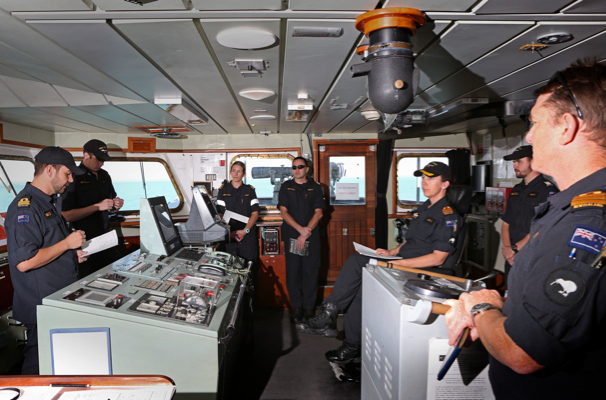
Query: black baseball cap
x,y
520,152
98,148
436,168
57,155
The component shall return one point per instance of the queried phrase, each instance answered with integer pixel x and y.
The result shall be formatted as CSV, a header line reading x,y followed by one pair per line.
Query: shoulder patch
x,y
587,238
318,183
547,183
24,218
590,199
24,202
221,187
565,287
252,187
447,210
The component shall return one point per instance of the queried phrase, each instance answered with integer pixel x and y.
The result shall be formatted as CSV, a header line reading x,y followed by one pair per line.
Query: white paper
x,y
128,393
31,393
367,251
347,191
238,217
100,243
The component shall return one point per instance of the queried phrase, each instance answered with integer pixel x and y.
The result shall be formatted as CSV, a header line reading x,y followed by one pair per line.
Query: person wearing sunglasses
x,y
547,340
301,203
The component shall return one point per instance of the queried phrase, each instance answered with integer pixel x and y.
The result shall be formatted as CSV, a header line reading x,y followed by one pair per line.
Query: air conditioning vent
x,y
166,134
317,32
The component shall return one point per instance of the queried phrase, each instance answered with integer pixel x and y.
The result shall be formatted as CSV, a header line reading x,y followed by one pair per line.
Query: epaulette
x,y
547,183
447,210
252,187
590,199
318,183
221,187
24,201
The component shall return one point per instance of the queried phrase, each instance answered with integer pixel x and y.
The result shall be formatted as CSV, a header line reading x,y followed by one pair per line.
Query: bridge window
x,y
143,177
15,172
407,186
265,172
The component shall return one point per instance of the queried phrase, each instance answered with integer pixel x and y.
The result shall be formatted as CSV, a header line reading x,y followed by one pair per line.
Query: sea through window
x,y
15,172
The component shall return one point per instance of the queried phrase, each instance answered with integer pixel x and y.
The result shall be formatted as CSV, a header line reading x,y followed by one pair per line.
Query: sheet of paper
x,y
232,215
31,393
100,243
127,393
367,251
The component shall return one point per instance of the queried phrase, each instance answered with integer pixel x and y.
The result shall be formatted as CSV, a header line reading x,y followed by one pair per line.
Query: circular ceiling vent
x,y
257,94
246,38
555,38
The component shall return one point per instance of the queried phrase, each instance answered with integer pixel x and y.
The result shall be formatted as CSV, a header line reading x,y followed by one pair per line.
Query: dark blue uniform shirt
x,y
301,201
556,307
87,190
521,202
34,221
431,228
242,200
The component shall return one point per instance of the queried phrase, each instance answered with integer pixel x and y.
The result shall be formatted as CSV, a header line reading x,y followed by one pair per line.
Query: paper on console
x,y
367,251
100,243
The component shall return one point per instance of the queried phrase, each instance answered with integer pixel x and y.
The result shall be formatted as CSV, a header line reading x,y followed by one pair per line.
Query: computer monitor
x,y
204,224
158,233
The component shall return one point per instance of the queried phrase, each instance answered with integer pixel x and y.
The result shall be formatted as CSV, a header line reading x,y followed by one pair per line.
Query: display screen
x,y
208,202
168,231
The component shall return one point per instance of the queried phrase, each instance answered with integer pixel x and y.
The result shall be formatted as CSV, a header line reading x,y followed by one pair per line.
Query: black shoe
x,y
324,324
345,354
297,316
308,313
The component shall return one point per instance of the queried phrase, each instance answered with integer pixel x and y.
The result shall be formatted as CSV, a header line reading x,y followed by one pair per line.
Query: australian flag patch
x,y
22,218
588,239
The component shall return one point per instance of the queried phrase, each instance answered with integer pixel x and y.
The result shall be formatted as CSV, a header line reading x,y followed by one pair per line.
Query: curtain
x,y
459,161
384,156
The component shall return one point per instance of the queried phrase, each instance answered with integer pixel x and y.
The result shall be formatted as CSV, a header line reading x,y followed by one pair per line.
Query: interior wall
x,y
25,134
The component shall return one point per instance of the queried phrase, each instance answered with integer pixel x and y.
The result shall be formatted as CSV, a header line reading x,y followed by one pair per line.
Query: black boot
x,y
308,313
324,324
297,316
345,354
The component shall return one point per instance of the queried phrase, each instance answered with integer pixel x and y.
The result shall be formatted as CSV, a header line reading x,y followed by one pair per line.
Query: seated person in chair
x,y
429,241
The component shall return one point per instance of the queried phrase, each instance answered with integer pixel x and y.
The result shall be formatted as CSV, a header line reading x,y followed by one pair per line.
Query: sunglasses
x,y
557,77
294,167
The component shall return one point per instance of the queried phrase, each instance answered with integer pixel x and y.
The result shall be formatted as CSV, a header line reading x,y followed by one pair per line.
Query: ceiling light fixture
x,y
246,38
555,38
256,94
140,2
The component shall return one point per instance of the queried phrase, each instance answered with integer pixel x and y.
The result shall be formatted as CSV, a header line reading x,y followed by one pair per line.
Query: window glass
x,y
17,173
409,186
266,172
347,180
128,182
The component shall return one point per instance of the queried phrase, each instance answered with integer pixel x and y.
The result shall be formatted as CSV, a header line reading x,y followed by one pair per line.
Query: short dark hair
x,y
586,79
39,167
301,158
240,163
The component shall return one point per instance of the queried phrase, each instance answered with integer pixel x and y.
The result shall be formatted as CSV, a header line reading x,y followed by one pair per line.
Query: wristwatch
x,y
247,230
478,308
514,248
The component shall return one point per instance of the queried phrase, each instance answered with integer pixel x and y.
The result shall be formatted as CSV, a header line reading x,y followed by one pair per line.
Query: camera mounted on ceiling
x,y
388,58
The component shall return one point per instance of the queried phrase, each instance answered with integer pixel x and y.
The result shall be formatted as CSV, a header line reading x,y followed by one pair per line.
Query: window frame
x,y
260,155
170,175
399,207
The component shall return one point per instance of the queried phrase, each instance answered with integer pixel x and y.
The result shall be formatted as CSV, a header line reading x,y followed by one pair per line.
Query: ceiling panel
x,y
80,98
34,93
357,122
522,6
238,5
86,117
177,47
269,79
447,55
102,47
44,5
434,5
429,32
349,5
121,5
7,97
588,7
307,54
7,116
117,115
13,73
505,60
59,122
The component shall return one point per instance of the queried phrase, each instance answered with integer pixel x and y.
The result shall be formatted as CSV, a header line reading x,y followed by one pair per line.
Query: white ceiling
x,y
97,65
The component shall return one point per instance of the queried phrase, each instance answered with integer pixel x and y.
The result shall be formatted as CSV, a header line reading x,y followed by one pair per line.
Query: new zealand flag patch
x,y
22,218
450,224
588,239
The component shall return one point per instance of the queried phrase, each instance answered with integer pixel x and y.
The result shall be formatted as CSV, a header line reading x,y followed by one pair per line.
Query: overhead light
x,y
166,133
140,2
371,115
246,38
257,94
263,117
250,68
555,38
184,112
174,100
302,96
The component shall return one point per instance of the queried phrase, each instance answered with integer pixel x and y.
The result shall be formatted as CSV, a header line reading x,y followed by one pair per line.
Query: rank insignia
x,y
514,193
429,220
291,189
588,239
23,219
532,194
415,215
548,183
447,210
591,199
24,202
49,214
252,187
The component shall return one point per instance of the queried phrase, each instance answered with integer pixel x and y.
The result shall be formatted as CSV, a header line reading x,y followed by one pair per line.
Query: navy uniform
x,y
430,229
301,201
556,308
521,203
86,190
242,200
